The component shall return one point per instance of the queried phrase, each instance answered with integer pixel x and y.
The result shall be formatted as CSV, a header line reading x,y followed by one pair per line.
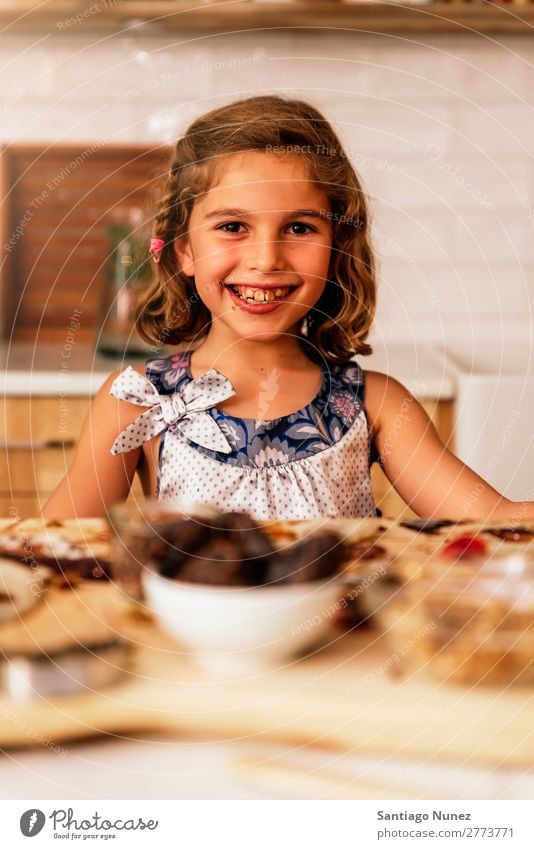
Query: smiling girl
x,y
266,280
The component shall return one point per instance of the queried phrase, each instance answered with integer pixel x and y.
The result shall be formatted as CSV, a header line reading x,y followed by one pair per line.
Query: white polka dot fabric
x,y
186,408
334,482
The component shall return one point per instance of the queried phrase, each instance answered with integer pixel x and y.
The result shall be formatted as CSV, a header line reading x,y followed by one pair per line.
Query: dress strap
x,y
168,373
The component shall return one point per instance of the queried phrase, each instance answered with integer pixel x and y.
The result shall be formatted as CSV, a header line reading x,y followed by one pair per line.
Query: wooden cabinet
x,y
40,420
37,442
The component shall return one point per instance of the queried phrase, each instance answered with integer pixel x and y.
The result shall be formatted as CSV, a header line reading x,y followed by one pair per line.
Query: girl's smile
x,y
262,264
258,300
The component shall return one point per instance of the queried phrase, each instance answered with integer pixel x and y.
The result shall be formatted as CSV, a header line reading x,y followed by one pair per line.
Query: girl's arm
x,y
96,478
432,481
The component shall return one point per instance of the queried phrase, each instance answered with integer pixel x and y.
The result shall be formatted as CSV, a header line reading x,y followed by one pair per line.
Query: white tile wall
x,y
440,128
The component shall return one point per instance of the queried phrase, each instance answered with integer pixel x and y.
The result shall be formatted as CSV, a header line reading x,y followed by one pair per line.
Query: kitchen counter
x,y
59,370
54,369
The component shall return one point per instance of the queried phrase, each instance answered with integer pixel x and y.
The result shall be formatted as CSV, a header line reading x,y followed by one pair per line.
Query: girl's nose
x,y
265,256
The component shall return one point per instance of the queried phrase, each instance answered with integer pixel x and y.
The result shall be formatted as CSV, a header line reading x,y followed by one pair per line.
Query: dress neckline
x,y
303,410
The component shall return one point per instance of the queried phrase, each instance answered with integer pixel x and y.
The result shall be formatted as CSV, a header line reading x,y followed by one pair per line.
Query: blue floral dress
x,y
314,462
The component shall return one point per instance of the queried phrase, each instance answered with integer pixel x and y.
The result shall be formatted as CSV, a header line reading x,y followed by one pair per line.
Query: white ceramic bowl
x,y
243,628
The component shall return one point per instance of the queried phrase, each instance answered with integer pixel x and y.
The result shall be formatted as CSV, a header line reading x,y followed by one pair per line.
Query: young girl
x,y
264,269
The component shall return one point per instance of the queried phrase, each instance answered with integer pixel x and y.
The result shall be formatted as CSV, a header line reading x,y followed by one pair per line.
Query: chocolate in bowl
x,y
218,584
198,544
233,550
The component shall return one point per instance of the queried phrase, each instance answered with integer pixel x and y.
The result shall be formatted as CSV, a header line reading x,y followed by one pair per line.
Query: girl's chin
x,y
250,332
261,336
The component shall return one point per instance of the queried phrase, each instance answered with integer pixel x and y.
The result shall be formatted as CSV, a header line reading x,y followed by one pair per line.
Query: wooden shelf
x,y
168,16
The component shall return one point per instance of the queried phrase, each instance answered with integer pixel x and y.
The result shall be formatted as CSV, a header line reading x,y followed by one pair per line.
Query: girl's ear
x,y
184,254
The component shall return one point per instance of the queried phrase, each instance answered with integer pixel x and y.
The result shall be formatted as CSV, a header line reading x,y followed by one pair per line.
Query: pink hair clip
x,y
155,247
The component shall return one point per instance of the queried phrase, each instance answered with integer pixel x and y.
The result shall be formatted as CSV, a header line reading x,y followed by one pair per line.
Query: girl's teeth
x,y
261,295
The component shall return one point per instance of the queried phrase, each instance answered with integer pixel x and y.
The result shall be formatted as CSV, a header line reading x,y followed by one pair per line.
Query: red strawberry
x,y
465,546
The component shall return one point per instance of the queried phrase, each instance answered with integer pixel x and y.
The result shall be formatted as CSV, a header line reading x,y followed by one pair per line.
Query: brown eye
x,y
230,224
301,224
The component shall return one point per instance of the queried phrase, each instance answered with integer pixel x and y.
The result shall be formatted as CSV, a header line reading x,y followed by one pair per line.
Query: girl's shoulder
x,y
382,386
386,398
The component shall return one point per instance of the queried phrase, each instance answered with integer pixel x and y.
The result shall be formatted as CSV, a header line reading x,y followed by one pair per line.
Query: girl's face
x,y
259,246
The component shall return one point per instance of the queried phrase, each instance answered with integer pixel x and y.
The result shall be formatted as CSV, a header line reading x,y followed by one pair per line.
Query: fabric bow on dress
x,y
186,409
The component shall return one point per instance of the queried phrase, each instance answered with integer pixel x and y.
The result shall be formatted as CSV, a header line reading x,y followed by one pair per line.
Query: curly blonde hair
x,y
171,312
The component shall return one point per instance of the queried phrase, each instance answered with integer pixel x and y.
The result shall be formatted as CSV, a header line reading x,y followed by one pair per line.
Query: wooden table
x,y
345,699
